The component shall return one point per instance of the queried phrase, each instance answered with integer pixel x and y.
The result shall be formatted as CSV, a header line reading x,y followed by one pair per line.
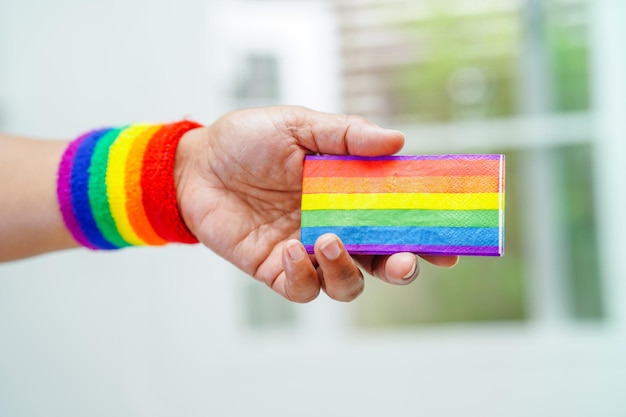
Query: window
x,y
501,76
258,81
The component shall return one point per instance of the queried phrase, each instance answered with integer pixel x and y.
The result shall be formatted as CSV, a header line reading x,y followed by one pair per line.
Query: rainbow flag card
x,y
426,204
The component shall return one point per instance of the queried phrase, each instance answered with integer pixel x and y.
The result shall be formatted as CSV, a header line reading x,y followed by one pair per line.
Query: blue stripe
x,y
444,236
80,191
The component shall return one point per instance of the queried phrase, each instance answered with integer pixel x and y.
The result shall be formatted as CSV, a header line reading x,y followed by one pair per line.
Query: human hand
x,y
239,184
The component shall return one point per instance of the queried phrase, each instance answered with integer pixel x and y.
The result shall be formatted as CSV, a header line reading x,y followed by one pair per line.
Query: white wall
x,y
302,35
69,65
83,333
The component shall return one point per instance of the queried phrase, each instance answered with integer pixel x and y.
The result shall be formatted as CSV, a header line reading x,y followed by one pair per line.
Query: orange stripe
x,y
349,185
402,168
134,204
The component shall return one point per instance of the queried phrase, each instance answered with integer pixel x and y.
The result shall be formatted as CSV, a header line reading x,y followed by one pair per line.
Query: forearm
x,y
30,219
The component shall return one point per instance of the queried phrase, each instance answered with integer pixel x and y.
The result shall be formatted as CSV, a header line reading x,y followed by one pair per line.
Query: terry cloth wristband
x,y
116,187
428,204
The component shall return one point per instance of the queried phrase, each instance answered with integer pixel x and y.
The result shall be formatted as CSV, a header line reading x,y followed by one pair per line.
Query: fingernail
x,y
295,251
331,250
411,273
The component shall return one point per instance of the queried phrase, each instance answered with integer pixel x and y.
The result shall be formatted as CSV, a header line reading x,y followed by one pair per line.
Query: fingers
x,y
339,276
340,135
298,282
440,260
398,269
401,268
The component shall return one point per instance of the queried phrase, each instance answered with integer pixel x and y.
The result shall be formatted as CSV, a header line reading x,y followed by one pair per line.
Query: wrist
x,y
116,187
190,147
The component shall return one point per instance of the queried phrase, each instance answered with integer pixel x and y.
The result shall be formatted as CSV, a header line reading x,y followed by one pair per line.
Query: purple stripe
x,y
421,249
64,192
404,157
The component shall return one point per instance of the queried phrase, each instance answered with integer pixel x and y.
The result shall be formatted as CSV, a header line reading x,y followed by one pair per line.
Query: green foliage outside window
x,y
578,221
468,68
568,43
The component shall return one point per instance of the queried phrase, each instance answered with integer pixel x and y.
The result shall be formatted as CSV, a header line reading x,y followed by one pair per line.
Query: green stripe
x,y
98,198
430,218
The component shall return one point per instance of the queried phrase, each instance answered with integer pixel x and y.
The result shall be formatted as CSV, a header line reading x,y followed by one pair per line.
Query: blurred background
x,y
177,331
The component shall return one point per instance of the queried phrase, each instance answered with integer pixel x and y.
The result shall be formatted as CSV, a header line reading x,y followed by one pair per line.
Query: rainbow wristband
x,y
116,187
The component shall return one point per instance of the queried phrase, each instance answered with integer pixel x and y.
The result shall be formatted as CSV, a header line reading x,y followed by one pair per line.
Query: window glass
x,y
465,66
264,309
567,39
464,63
258,81
583,283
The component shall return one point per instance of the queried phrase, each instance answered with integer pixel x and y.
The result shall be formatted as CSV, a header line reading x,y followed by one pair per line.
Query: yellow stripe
x,y
407,201
116,179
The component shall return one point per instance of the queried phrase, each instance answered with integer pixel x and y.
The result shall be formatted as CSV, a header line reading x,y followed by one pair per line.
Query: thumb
x,y
337,134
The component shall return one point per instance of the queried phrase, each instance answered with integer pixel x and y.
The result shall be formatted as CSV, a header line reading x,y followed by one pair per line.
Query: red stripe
x,y
159,188
401,168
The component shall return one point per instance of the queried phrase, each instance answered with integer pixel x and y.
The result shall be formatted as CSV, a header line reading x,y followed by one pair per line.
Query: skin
x,y
239,185
30,221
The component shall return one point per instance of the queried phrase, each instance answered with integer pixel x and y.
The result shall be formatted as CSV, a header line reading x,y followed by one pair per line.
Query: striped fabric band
x,y
430,204
116,187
